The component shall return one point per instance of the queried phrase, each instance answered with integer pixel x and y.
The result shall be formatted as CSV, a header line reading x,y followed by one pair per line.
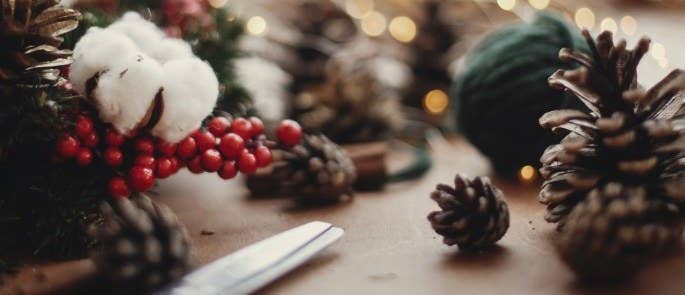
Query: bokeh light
x,y
628,25
585,18
609,24
436,101
359,8
506,4
527,173
402,28
539,4
256,25
217,3
374,24
658,51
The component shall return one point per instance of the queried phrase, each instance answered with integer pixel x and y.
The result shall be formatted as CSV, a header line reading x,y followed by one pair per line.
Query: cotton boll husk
x,y
190,94
170,49
124,94
267,84
143,33
97,51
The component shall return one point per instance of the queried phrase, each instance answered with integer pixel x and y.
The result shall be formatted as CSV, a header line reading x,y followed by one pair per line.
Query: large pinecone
x,y
474,213
630,135
144,246
315,171
30,36
616,230
349,107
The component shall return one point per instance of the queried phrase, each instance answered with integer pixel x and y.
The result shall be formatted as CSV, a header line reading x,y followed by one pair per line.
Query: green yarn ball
x,y
502,90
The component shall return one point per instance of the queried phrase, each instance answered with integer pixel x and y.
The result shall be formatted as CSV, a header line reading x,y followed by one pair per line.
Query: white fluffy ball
x,y
190,92
134,61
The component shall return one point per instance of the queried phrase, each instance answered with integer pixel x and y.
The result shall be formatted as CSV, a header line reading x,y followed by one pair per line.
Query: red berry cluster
x,y
224,146
80,144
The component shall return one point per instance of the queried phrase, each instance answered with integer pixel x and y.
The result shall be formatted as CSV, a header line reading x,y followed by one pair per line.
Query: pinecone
x,y
474,213
315,171
614,232
30,37
630,135
349,107
144,246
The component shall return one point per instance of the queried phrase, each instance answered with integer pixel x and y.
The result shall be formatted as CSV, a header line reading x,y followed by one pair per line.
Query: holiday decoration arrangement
x,y
84,136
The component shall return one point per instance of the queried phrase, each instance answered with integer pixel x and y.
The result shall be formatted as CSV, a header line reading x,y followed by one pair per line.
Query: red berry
x,y
114,138
257,126
242,127
228,170
91,140
247,163
164,168
187,148
145,146
118,188
195,165
289,132
141,178
205,140
84,156
218,126
113,156
84,126
211,160
231,145
145,161
175,164
166,148
263,156
67,146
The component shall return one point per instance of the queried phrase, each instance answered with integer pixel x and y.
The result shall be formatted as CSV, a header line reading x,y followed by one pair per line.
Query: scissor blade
x,y
247,266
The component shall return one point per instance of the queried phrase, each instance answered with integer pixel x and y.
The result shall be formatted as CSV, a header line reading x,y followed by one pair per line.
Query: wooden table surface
x,y
388,246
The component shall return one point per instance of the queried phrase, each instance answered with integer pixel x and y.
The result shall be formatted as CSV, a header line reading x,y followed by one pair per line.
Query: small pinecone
x,y
29,34
349,107
630,135
474,213
315,171
616,230
144,246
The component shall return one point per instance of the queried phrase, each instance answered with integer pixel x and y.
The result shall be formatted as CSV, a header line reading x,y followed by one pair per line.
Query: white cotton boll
x,y
95,52
267,83
190,94
170,49
143,33
124,94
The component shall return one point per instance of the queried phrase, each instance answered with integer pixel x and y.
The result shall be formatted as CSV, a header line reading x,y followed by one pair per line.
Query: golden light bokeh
x,y
608,24
585,18
628,25
359,8
658,51
436,101
402,28
217,3
539,4
374,24
527,173
506,4
256,25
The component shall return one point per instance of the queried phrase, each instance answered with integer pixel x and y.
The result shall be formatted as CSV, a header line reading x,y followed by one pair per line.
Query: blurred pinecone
x,y
349,107
315,171
144,246
30,36
631,135
615,231
473,213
